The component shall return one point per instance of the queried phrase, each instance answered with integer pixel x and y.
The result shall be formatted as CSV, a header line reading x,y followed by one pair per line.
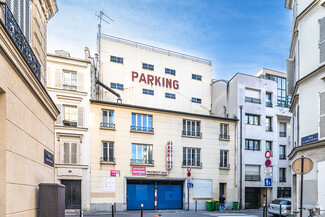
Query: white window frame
x,y
224,156
108,151
109,118
192,123
69,84
197,157
144,125
147,153
64,112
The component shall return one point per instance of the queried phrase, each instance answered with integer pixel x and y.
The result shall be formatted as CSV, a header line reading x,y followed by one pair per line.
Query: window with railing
x,y
191,157
224,132
141,154
224,159
107,119
252,119
252,173
282,152
191,128
282,174
69,80
268,124
70,115
107,152
141,122
268,100
251,144
283,130
252,96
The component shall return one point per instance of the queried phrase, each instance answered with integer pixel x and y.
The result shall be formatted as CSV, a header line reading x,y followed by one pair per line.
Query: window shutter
x,y
58,78
322,103
290,75
322,127
322,40
80,116
73,153
80,81
58,119
322,114
48,79
322,52
66,153
27,20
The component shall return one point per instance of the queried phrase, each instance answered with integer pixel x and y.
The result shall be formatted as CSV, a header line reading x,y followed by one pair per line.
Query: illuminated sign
x,y
155,80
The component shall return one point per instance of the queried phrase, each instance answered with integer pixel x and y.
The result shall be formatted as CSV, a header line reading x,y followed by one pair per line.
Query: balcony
x,y
107,125
69,123
282,134
252,100
224,166
252,177
196,134
109,160
20,41
268,104
224,137
268,129
191,164
142,161
141,129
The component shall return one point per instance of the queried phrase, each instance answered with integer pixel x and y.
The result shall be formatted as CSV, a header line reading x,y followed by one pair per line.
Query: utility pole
x,y
102,17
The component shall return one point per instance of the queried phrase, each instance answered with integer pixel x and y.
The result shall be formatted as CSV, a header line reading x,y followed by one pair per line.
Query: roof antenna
x,y
102,17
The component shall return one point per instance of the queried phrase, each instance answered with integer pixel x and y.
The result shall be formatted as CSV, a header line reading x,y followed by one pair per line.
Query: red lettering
x,y
150,79
163,82
168,83
134,75
157,80
175,84
142,78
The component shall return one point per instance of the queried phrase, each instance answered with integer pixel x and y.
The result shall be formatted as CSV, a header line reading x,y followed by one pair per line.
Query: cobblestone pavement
x,y
175,213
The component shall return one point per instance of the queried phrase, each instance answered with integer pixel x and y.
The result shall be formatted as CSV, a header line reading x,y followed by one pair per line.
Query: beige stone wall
x,y
167,127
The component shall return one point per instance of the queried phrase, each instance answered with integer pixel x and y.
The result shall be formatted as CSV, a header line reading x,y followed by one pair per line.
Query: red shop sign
x,y
138,171
169,155
115,173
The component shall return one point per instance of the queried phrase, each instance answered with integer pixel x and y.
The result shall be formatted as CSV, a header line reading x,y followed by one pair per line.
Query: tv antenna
x,y
106,19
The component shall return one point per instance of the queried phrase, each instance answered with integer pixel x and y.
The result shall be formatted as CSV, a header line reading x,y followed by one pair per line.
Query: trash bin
x,y
235,205
216,205
209,205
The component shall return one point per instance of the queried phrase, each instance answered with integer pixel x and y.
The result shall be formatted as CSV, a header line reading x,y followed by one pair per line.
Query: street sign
x,y
189,185
188,174
268,182
268,154
188,169
268,172
268,163
308,165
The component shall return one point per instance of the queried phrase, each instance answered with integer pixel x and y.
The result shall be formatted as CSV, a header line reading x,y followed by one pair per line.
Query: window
x,y
252,173
268,146
141,154
224,159
108,119
148,66
170,71
282,174
268,99
70,115
283,129
196,100
252,96
283,98
69,80
284,192
191,128
322,41
251,144
141,123
282,152
148,92
70,153
252,119
197,77
170,96
116,59
107,152
117,86
191,157
222,188
268,124
224,132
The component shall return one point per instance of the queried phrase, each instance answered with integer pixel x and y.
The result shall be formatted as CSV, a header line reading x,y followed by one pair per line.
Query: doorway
x,y
72,194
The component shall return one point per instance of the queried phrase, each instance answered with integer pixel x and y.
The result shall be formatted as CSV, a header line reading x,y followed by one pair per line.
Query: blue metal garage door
x,y
138,194
169,197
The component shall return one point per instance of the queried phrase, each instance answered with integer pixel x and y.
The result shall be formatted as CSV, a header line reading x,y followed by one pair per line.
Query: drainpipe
x,y
119,99
241,158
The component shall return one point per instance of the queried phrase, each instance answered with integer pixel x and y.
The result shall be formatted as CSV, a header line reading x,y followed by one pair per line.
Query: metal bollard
x,y
141,210
112,209
280,209
195,205
263,210
81,213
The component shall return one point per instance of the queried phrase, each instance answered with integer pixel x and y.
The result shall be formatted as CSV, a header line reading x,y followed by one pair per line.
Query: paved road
x,y
177,213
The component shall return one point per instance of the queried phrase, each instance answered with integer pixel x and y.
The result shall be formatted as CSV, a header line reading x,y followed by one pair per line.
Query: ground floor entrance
x,y
252,198
284,192
154,194
72,194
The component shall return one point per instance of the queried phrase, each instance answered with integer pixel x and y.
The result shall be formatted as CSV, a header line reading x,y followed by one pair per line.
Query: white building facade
x,y
69,86
306,70
152,134
265,122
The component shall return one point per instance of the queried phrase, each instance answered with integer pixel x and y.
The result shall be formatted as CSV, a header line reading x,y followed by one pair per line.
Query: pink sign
x,y
138,171
169,155
115,173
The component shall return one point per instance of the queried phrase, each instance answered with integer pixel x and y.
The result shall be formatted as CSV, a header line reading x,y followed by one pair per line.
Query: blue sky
x,y
237,35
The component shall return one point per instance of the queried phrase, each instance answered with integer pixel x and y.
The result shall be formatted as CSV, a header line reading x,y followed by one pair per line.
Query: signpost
x,y
268,175
302,166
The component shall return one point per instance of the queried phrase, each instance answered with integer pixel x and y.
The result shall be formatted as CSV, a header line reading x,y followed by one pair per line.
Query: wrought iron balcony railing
x,y
69,87
268,104
252,178
21,42
283,134
192,133
142,129
107,125
224,136
252,100
69,123
191,164
142,161
107,159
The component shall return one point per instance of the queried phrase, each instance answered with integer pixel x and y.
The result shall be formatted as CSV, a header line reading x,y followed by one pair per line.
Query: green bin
x,y
209,205
235,205
216,205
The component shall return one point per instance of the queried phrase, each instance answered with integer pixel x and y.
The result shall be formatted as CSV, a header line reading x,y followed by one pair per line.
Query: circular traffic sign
x,y
297,165
188,173
188,169
268,154
268,162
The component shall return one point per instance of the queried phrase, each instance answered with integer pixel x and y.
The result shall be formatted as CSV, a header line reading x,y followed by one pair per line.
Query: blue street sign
x,y
268,182
189,185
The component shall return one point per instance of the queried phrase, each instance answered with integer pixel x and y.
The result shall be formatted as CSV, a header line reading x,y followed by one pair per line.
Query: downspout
x,y
241,158
119,99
